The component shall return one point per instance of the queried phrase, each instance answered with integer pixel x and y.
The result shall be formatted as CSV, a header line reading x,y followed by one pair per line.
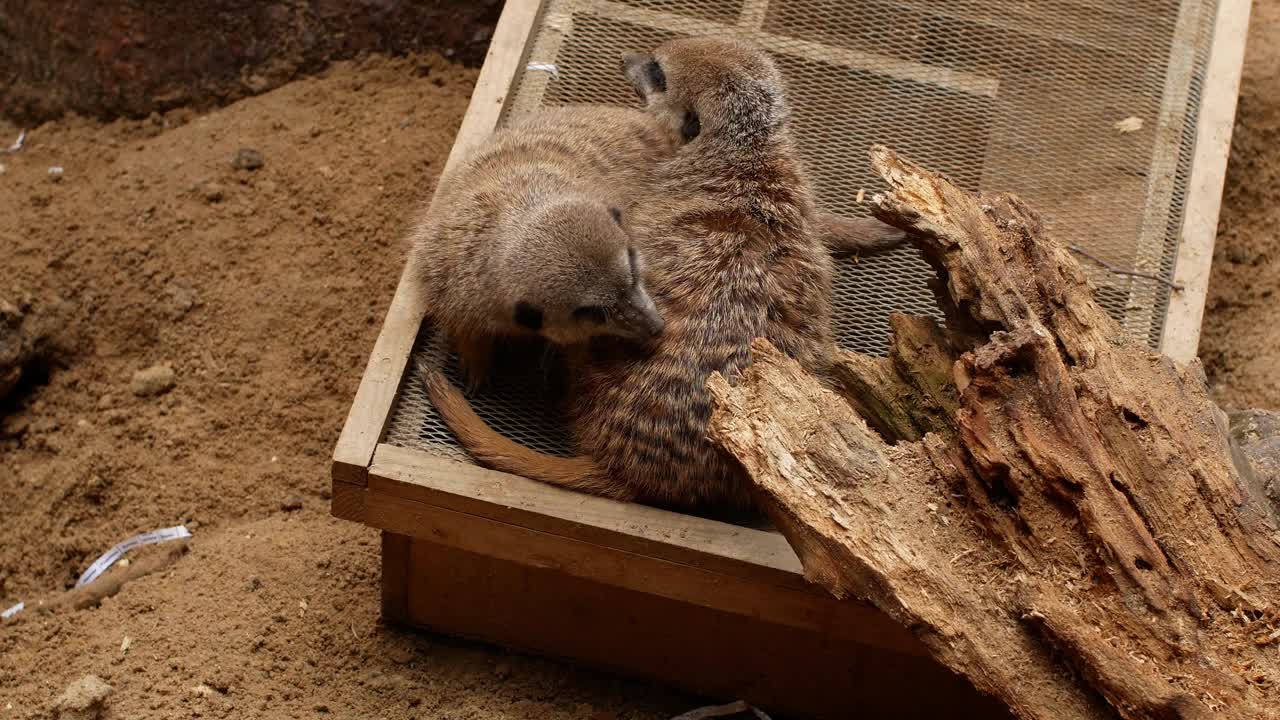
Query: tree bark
x,y
1051,507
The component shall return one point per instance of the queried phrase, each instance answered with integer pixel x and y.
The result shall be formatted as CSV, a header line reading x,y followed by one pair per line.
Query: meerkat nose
x,y
650,319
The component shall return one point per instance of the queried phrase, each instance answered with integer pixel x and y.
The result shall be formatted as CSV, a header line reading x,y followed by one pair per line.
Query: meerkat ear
x,y
657,78
528,316
616,214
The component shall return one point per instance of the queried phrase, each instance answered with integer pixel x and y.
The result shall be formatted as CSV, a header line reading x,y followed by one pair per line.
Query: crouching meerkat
x,y
529,235
735,253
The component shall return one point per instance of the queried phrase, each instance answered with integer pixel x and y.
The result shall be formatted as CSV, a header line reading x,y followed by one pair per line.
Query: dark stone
x,y
247,159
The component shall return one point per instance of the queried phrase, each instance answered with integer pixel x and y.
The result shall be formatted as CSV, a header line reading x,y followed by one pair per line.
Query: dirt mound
x,y
226,314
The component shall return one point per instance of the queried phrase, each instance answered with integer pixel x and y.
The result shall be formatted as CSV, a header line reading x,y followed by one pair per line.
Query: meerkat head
x,y
584,277
711,87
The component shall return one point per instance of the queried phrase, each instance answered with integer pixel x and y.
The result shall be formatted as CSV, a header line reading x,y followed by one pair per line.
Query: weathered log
x,y
1071,533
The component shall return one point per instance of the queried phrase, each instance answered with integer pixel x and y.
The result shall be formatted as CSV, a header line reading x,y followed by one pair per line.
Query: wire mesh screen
x,y
1085,108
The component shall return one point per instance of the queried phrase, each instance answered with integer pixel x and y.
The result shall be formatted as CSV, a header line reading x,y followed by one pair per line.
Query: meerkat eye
x,y
528,316
692,126
657,78
596,314
617,215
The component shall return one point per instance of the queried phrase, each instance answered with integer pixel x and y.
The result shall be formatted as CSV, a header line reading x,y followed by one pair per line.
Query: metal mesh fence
x,y
1085,108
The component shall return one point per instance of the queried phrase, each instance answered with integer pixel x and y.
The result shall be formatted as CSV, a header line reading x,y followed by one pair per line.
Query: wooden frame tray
x,y
710,607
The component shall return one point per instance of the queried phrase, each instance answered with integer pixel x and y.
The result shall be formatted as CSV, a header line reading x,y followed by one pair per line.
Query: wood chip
x,y
1130,124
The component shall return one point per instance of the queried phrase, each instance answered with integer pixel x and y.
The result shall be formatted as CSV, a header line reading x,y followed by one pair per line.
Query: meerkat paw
x,y
475,361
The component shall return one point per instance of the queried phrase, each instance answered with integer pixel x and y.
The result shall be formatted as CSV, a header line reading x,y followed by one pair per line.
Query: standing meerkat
x,y
732,236
529,235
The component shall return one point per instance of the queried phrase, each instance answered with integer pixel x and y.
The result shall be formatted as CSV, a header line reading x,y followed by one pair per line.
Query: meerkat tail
x,y
855,236
493,450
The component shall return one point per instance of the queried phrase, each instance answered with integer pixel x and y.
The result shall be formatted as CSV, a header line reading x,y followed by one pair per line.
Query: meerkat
x,y
528,237
733,240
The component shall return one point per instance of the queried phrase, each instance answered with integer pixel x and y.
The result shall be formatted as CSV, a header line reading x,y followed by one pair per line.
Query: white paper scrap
x,y
12,611
550,68
110,557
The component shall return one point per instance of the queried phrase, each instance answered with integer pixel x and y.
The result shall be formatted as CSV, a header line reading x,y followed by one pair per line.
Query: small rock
x,y
213,192
247,159
291,503
1255,436
83,699
400,655
106,402
14,427
502,671
155,380
181,300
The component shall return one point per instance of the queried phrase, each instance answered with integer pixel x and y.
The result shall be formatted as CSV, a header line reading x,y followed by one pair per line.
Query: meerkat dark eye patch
x,y
528,316
617,215
657,78
634,266
596,314
692,126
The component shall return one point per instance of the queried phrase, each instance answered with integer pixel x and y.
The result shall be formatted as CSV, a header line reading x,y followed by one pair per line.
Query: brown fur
x,y
529,236
728,230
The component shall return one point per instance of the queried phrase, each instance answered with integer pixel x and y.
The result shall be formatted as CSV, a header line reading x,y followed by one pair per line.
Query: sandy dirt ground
x,y
1240,341
263,291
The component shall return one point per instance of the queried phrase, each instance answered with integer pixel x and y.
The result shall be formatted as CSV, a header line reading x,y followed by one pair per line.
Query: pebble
x,y
155,380
502,671
15,426
84,699
291,503
247,159
212,192
181,300
400,655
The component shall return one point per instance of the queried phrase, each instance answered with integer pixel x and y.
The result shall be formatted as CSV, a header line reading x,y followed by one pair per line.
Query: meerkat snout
x,y
639,312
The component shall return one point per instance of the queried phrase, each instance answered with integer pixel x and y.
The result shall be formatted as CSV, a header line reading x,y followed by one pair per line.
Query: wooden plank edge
x,y
1181,337
347,501
1166,151
371,409
884,65
806,608
699,542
